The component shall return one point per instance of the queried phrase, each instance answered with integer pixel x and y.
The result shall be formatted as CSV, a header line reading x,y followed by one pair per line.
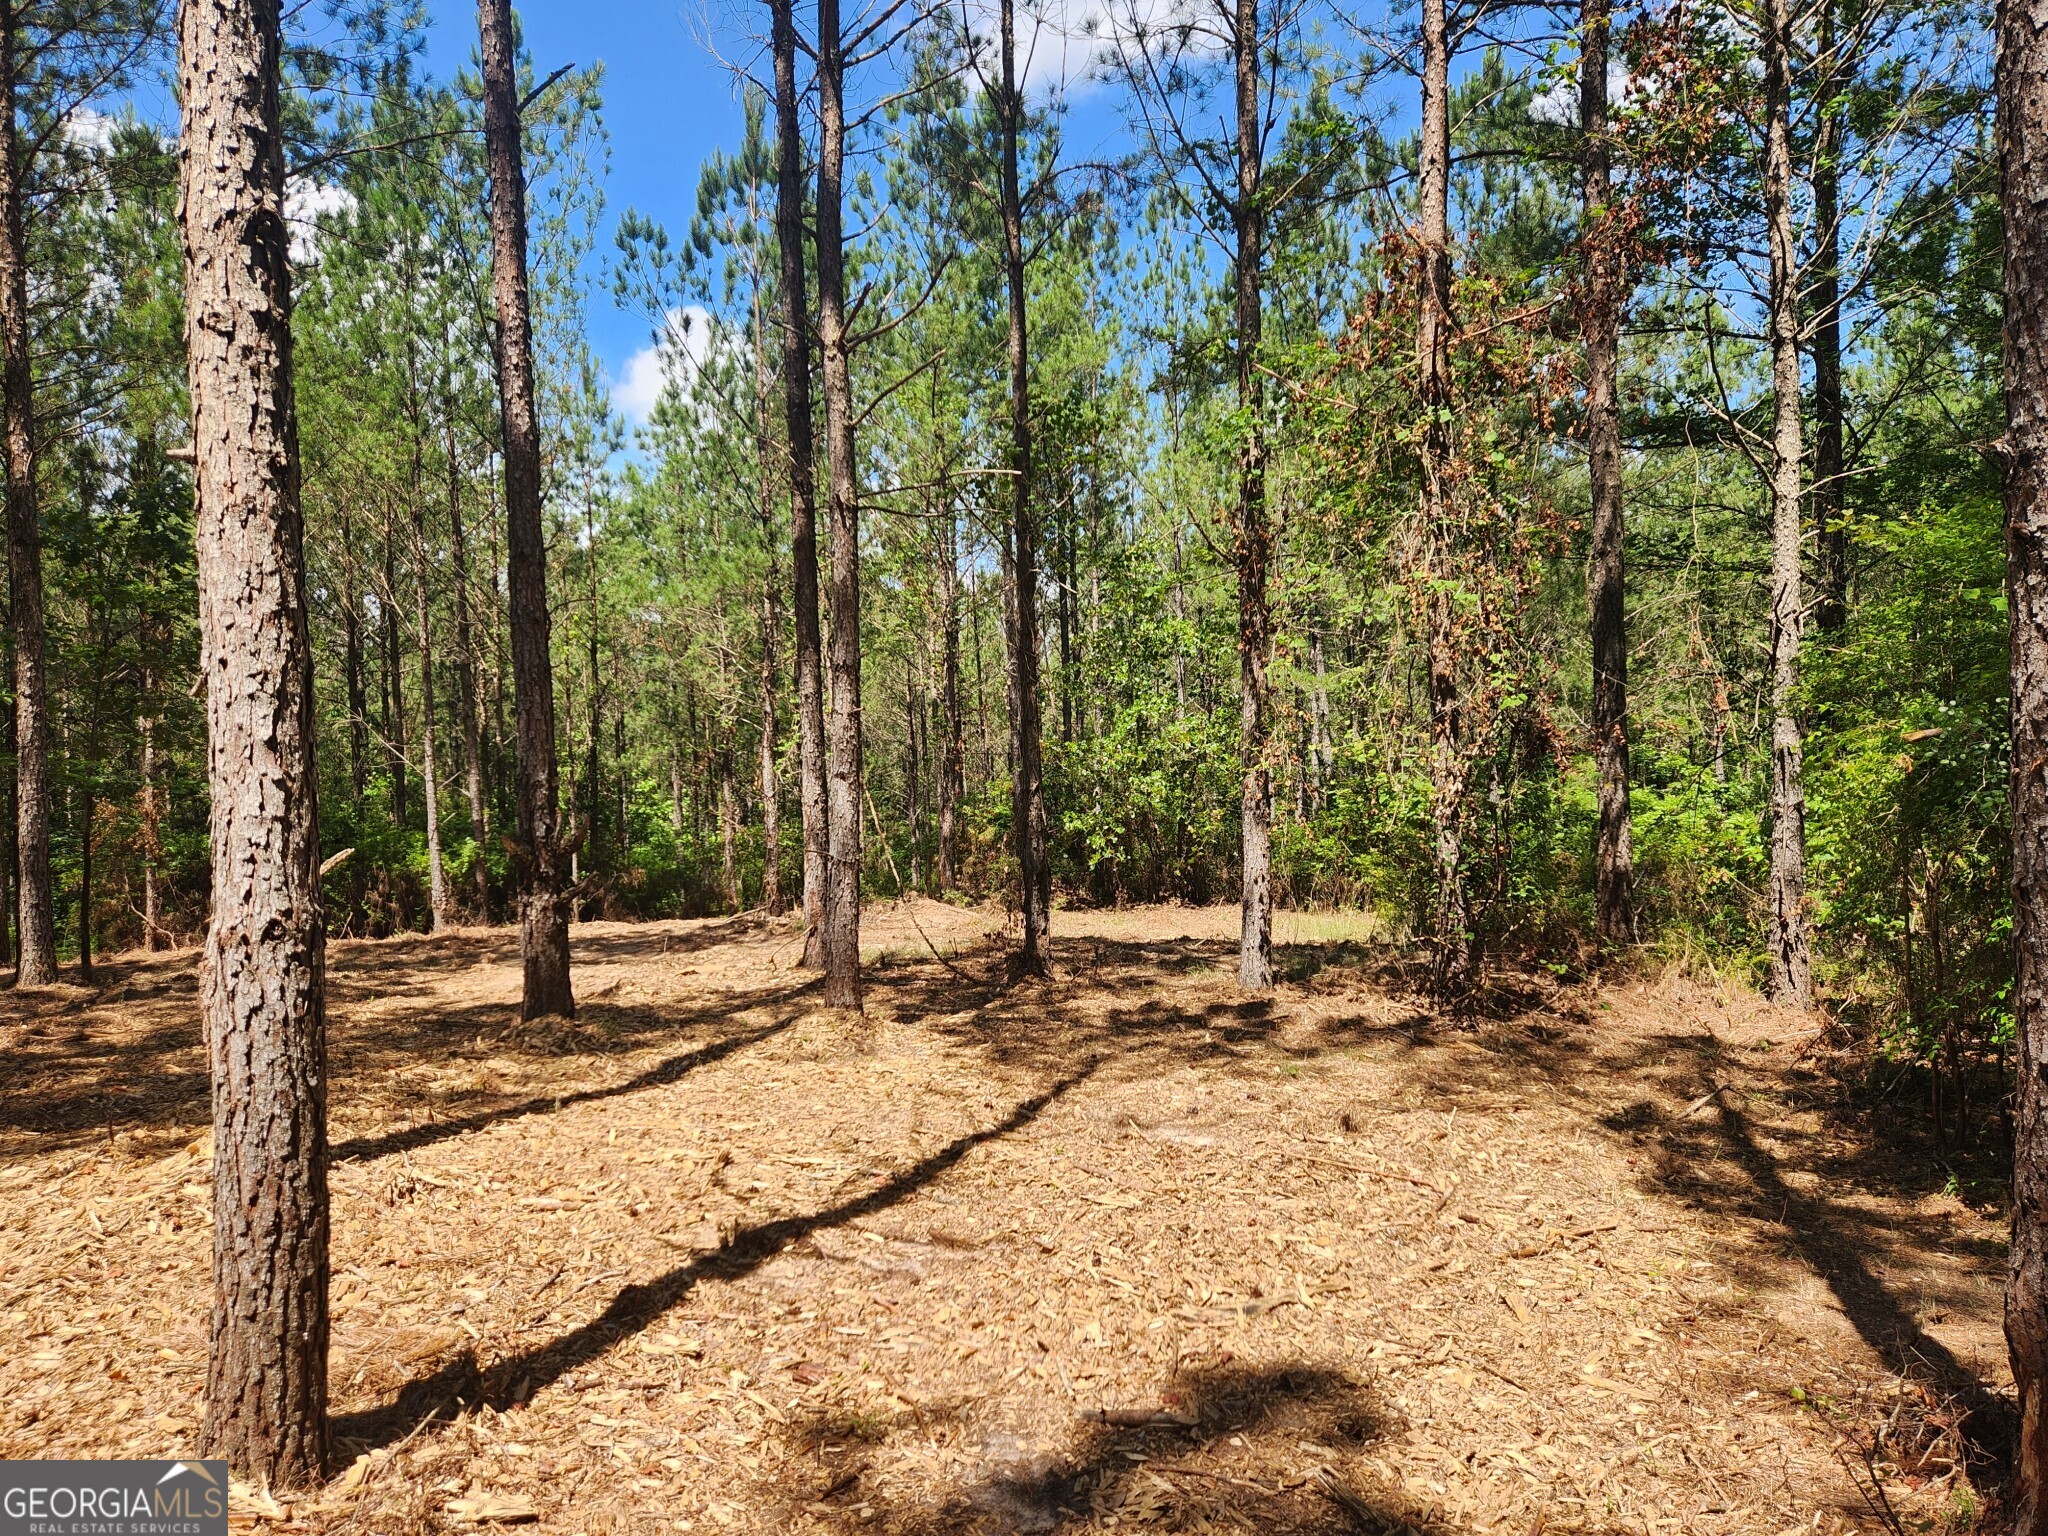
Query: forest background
x,y
668,513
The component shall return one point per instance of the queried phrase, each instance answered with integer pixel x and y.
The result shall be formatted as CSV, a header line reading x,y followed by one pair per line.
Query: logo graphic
x,y
197,1469
113,1498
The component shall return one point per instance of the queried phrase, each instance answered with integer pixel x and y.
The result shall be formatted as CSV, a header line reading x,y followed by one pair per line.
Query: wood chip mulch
x,y
1126,1251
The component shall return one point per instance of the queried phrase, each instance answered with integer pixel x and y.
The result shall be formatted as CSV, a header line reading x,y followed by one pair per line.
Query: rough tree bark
x,y
1452,960
9,826
38,914
843,768
803,476
543,893
1613,863
1790,979
2023,174
1254,539
261,992
1829,456
1027,788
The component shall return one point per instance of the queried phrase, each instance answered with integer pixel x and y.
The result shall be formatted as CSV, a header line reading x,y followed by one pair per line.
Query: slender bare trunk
x,y
803,482
86,806
1613,862
622,790
843,769
1178,600
352,665
587,796
38,913
729,832
1027,791
440,903
771,786
9,827
543,896
1829,463
1324,743
913,776
1451,971
394,674
150,816
1254,540
261,992
2023,175
1791,965
952,768
771,618
469,701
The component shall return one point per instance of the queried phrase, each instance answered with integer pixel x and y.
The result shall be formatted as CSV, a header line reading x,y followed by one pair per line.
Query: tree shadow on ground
x,y
1243,1459
412,1138
128,1060
636,1306
361,967
1765,1204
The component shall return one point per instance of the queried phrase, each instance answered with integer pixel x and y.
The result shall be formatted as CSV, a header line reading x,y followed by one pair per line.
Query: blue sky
x,y
668,103
671,97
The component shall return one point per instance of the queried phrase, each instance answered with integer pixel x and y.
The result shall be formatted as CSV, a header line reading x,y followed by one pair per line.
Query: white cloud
x,y
1558,103
674,359
305,204
88,130
1068,47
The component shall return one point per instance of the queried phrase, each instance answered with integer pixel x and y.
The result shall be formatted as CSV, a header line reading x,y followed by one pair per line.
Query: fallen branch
x,y
1140,1418
1702,1101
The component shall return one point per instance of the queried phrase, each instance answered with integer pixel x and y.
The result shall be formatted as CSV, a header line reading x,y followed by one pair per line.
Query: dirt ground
x,y
1127,1251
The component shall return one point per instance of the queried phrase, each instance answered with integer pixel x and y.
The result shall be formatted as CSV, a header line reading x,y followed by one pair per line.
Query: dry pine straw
x,y
711,1260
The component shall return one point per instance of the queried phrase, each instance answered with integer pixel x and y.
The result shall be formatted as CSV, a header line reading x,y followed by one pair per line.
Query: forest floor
x,y
710,1259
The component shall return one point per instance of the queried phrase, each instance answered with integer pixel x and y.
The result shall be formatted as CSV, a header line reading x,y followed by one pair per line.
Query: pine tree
x,y
261,990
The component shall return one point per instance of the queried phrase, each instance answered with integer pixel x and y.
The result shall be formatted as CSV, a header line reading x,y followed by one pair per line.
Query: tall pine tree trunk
x,y
352,662
1829,461
1254,540
2023,174
150,813
469,701
803,476
38,913
843,768
543,896
85,815
440,903
1325,746
1452,962
1027,792
952,770
261,982
729,832
771,618
1790,979
394,673
1613,861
